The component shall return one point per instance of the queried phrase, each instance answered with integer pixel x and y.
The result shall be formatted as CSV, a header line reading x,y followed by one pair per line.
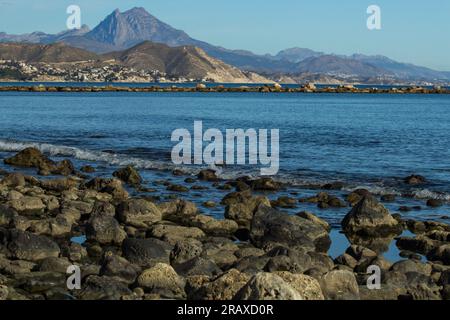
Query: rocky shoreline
x,y
309,88
138,248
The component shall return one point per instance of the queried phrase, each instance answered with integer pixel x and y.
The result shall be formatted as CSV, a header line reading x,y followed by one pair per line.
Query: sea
x,y
370,141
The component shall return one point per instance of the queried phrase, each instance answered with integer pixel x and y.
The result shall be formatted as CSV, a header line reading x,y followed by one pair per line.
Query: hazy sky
x,y
412,30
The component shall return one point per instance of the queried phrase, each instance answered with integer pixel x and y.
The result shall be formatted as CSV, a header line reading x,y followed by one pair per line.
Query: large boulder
x,y
223,287
27,205
7,215
441,253
177,210
267,286
103,288
173,234
162,280
129,175
371,218
33,158
13,180
29,157
340,285
185,250
27,246
241,206
112,186
266,184
116,266
307,286
105,230
271,226
146,252
208,175
138,213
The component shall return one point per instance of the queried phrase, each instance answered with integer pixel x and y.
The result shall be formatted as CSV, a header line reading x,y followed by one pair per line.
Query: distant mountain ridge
x,y
123,30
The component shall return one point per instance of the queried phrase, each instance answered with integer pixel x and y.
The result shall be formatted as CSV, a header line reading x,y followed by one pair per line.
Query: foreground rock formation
x,y
137,249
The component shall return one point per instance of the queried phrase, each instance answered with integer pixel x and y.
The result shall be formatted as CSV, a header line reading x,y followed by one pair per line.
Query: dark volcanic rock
x,y
116,266
33,158
129,175
103,288
105,230
198,267
340,285
162,280
146,252
271,226
30,157
208,175
268,286
241,207
415,180
370,218
266,184
112,186
434,203
27,246
139,213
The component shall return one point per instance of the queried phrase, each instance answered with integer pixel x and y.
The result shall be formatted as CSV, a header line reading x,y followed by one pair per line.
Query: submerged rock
x,y
266,184
208,175
415,180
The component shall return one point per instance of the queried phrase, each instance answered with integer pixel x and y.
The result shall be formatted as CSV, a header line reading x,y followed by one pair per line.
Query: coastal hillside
x,y
145,62
187,61
51,53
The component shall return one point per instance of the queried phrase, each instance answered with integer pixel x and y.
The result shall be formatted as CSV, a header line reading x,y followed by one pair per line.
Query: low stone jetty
x,y
308,88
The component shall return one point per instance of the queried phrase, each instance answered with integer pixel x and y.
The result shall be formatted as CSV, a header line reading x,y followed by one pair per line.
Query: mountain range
x,y
121,31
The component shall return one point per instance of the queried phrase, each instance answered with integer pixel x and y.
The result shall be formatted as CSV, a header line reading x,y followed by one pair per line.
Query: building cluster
x,y
19,70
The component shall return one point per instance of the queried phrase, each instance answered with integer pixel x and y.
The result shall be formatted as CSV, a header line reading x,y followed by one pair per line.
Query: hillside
x,y
51,53
187,61
182,62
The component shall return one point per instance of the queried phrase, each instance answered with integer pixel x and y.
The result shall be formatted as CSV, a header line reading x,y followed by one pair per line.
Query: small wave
x,y
110,158
428,194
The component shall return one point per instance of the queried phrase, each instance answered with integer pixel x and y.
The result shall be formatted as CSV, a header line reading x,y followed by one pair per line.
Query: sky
x,y
413,31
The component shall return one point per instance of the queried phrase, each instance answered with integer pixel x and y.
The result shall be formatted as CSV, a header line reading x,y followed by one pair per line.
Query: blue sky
x,y
412,30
